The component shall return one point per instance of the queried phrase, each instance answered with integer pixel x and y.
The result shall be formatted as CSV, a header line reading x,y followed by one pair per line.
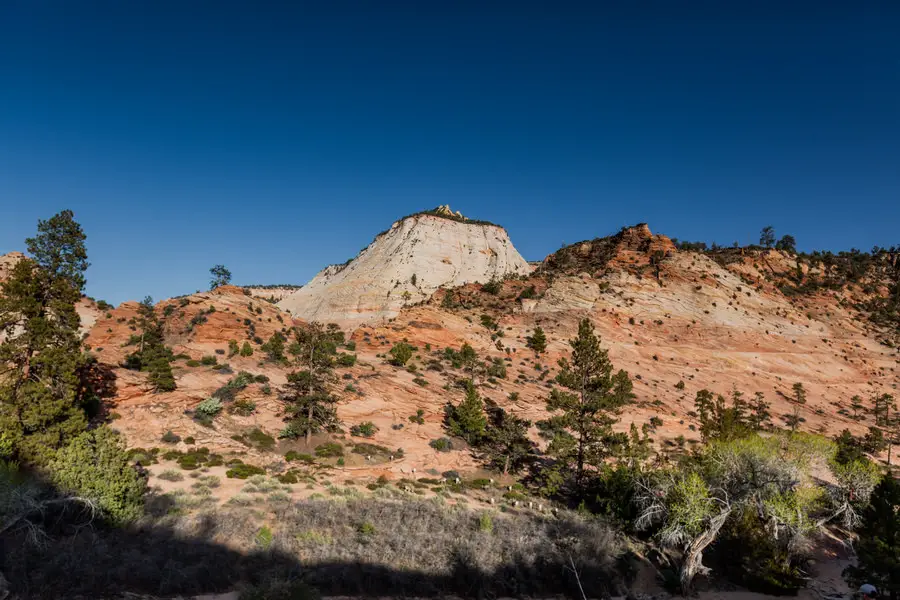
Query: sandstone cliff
x,y
406,265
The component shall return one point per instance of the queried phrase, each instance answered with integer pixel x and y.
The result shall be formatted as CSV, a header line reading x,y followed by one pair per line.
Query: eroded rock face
x,y
404,266
8,263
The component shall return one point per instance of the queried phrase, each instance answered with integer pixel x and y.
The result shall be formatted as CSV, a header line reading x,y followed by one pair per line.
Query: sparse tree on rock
x,y
467,419
767,236
798,399
219,276
152,355
537,341
585,409
507,443
787,243
310,406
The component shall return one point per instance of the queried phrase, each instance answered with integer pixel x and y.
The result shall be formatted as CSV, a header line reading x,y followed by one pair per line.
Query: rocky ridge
x,y
404,266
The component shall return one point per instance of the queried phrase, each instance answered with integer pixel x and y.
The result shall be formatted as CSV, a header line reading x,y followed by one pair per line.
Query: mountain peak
x,y
406,264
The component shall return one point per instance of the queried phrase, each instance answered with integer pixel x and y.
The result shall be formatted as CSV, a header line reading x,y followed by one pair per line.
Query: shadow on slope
x,y
365,547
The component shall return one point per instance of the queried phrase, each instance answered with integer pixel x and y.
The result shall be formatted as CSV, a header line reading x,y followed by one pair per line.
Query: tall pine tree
x,y
310,406
584,411
41,357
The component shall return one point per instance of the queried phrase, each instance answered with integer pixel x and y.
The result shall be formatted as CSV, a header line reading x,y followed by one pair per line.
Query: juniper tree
x,y
41,358
537,341
508,446
274,348
311,407
467,419
152,354
586,407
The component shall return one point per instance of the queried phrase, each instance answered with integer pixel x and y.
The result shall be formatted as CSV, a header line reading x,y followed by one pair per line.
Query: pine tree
x,y
152,354
767,236
246,349
797,399
467,419
537,341
219,276
311,407
878,547
856,404
274,348
584,411
508,446
41,396
760,418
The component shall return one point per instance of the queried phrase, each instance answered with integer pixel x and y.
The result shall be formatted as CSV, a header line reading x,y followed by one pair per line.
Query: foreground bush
x,y
95,466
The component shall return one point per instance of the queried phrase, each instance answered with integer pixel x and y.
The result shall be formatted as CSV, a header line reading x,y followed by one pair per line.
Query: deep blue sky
x,y
278,139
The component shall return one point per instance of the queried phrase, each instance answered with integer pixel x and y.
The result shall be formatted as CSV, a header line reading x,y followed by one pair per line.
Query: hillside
x,y
677,321
747,320
405,265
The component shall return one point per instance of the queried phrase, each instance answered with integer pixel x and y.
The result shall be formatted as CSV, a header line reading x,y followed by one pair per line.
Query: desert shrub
x,y
329,450
170,438
193,363
485,523
95,465
209,360
400,353
258,438
441,444
375,450
420,381
209,408
293,456
492,287
229,391
418,418
171,475
242,407
365,429
346,360
261,379
243,471
289,477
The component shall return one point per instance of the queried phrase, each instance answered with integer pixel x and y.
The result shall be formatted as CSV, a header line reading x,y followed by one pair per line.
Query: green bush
x,y
492,287
256,437
293,456
243,471
418,418
96,466
346,360
400,353
242,407
193,363
365,429
209,407
170,438
329,450
441,444
246,349
209,360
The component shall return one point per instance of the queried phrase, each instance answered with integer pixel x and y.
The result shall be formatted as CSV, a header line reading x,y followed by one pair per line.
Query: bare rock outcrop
x,y
406,265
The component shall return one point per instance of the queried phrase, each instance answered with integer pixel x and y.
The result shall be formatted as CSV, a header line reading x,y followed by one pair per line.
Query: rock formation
x,y
406,265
